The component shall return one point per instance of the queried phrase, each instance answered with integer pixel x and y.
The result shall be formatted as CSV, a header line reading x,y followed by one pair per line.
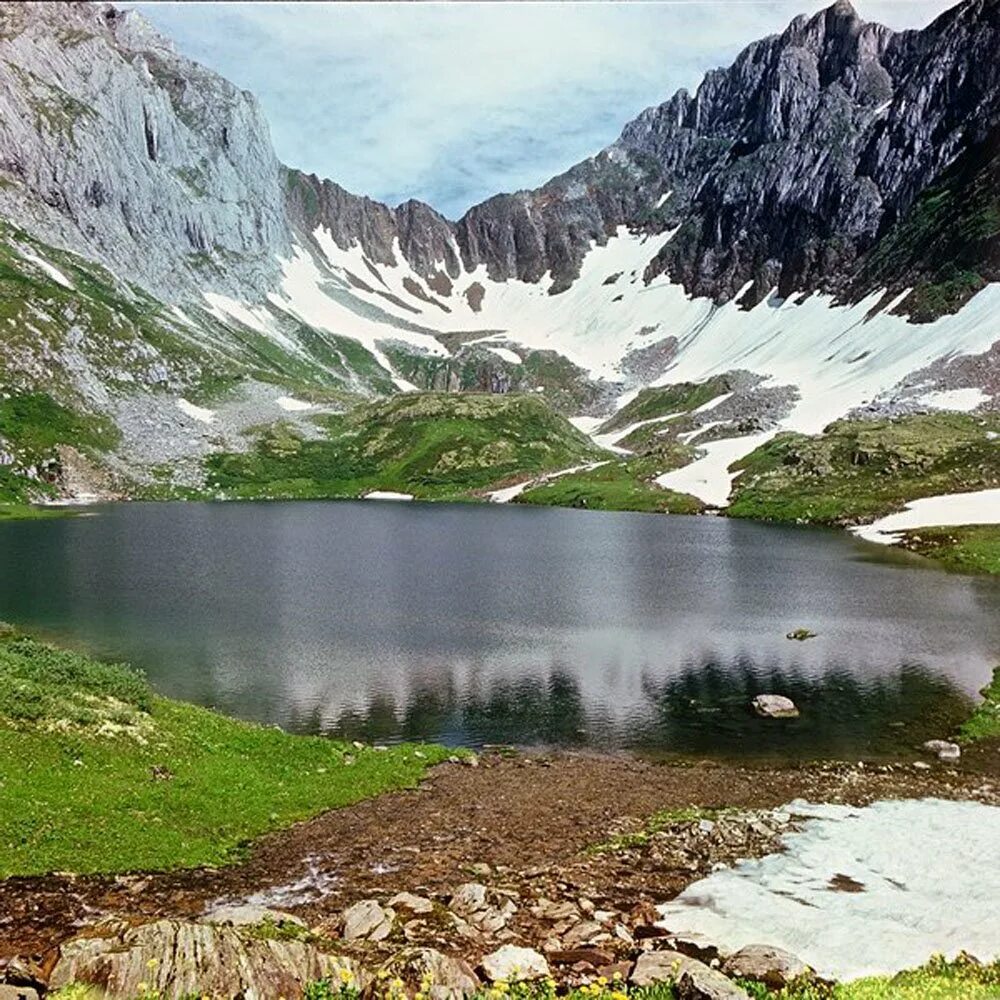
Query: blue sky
x,y
453,102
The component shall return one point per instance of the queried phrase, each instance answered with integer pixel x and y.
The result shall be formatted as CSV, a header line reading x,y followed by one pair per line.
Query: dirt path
x,y
520,823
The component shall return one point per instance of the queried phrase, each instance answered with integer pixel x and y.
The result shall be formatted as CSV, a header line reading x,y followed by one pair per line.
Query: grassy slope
x,y
615,486
433,445
858,470
973,548
98,773
984,723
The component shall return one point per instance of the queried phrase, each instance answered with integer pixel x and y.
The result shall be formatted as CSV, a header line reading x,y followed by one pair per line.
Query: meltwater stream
x,y
475,624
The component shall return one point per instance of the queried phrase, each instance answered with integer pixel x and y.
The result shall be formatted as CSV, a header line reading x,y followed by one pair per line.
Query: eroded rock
x,y
180,958
449,978
368,920
774,967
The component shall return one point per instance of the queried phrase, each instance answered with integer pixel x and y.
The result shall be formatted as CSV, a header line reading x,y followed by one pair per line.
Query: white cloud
x,y
453,102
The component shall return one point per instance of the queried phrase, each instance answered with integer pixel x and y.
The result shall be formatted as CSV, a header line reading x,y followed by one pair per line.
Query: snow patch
x,y
508,493
293,405
196,412
387,495
506,354
51,270
955,399
951,509
708,478
927,886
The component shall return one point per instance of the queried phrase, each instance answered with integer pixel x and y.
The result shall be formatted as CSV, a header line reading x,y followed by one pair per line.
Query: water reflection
x,y
483,624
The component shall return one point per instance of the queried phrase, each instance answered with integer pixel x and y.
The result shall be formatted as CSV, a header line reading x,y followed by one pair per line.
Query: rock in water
x,y
512,964
177,958
944,749
775,706
774,967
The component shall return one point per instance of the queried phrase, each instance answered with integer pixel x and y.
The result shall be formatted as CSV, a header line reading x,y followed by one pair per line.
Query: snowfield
x,y
981,507
927,887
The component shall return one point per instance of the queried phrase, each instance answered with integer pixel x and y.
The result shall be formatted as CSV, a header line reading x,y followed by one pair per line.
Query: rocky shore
x,y
511,866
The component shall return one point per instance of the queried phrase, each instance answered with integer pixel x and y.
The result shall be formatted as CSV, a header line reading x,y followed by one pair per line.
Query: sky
x,y
454,102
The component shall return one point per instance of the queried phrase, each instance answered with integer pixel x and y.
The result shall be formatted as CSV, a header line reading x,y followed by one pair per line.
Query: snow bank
x,y
506,354
197,412
508,493
292,405
708,478
956,399
387,495
981,507
53,272
929,884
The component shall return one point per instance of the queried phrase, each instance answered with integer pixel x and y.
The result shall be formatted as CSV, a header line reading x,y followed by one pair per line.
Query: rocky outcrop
x,y
799,166
177,958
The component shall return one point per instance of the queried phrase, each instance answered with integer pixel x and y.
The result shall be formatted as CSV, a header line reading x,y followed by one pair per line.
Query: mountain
x,y
815,231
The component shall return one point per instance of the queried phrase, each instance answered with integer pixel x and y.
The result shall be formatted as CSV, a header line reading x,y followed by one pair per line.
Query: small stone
x,y
944,749
654,967
774,967
510,963
367,919
921,765
774,706
415,904
469,898
587,932
703,983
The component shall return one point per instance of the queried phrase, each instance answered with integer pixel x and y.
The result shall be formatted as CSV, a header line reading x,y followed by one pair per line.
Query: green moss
x,y
662,400
613,486
985,721
973,548
858,470
103,775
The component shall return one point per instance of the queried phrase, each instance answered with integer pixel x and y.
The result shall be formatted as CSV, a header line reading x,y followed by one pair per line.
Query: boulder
x,y
584,933
469,898
367,920
449,978
944,749
665,966
17,992
703,983
774,706
511,963
181,958
774,967
419,905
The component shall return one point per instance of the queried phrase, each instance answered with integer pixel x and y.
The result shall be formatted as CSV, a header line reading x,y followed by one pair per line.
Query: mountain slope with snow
x,y
776,229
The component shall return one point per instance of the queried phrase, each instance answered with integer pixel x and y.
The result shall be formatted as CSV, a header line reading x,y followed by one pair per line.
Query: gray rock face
x,y
115,146
174,958
789,168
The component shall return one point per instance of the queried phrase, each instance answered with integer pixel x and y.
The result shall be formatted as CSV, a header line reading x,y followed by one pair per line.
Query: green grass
x,y
100,774
614,486
960,979
973,548
984,724
659,401
858,470
25,512
432,445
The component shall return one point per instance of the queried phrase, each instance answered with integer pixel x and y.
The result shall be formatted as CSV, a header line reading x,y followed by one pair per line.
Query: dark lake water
x,y
482,624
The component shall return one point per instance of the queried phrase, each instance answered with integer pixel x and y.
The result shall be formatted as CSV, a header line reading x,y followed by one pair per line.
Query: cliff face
x,y
786,169
783,170
115,146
